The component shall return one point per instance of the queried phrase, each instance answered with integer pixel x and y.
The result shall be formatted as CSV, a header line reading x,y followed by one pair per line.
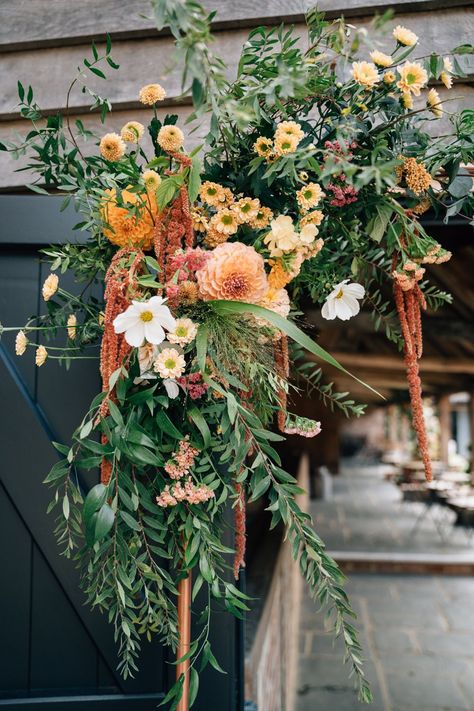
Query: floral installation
x,y
317,168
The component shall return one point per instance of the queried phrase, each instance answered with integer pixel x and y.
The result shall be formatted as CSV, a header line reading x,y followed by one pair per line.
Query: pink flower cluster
x,y
408,276
182,460
194,385
183,265
189,492
336,148
343,194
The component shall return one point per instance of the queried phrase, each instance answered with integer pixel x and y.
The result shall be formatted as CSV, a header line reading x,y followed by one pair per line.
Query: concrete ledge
x,y
415,563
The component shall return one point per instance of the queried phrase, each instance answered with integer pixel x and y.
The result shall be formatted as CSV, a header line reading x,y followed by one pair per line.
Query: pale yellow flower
x,y
285,144
41,355
308,234
212,193
389,77
381,59
312,218
151,93
71,326
407,100
170,363
404,36
309,196
132,131
289,128
434,103
413,77
225,221
112,147
151,179
282,236
365,73
21,343
50,286
170,138
263,146
246,209
262,218
184,332
445,75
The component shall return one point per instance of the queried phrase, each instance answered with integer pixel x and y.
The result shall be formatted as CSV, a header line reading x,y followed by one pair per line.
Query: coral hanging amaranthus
x,y
316,172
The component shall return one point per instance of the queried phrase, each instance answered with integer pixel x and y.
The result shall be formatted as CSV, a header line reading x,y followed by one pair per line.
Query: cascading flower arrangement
x,y
313,176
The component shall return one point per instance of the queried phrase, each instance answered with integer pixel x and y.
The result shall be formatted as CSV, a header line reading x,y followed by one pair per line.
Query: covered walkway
x,y
417,630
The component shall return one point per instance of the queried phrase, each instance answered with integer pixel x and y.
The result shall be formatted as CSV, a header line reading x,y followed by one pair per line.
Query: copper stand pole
x,y
184,629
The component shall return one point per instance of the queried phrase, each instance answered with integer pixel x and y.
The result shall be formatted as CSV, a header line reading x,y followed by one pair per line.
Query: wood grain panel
x,y
50,71
41,23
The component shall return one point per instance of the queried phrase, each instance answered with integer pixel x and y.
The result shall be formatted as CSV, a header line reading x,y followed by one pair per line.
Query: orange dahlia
x,y
233,271
127,228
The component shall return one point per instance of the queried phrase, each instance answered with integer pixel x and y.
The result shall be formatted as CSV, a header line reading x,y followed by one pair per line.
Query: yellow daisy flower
x,y
315,217
309,196
263,146
71,326
407,100
433,102
285,144
225,221
200,221
212,193
246,209
413,77
50,286
289,128
445,75
262,218
21,343
389,77
404,36
41,356
365,73
381,59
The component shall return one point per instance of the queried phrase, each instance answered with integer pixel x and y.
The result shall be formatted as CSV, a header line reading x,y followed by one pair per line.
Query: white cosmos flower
x,y
145,320
342,302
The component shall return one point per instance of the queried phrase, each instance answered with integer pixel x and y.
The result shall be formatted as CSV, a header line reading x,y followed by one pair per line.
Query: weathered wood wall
x,y
43,42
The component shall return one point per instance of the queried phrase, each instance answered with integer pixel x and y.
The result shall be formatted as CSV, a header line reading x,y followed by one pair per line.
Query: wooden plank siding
x,y
44,48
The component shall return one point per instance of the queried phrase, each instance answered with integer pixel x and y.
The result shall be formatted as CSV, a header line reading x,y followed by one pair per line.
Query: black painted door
x,y
53,650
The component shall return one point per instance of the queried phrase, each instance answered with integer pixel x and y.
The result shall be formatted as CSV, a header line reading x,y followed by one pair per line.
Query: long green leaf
x,y
289,328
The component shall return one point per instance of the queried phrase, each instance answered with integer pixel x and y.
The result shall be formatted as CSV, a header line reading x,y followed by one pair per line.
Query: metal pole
x,y
184,629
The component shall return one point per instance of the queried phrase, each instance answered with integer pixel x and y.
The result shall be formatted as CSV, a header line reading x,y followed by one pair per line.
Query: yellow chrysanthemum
x,y
151,93
285,144
170,138
434,103
112,147
225,221
212,194
200,221
213,237
21,343
389,77
413,77
445,75
312,218
263,146
381,59
127,229
262,218
289,128
50,286
71,326
151,179
309,196
132,131
41,356
404,36
407,100
246,209
365,73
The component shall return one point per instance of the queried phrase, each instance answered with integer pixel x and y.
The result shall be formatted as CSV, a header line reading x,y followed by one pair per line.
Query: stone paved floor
x,y
366,514
418,638
417,631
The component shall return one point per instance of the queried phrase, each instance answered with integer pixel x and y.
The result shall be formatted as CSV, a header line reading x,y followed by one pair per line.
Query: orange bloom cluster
x,y
240,526
409,302
120,285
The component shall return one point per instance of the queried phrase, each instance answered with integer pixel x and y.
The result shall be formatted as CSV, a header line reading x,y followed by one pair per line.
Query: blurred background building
x,y
408,547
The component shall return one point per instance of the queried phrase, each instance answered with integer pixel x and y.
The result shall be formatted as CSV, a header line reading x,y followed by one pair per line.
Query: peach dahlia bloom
x,y
233,271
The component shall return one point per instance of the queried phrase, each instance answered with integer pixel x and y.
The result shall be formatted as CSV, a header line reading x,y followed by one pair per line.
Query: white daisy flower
x,y
343,302
145,321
